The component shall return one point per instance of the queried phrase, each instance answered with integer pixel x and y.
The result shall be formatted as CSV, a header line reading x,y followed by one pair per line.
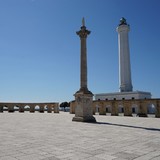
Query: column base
x,y
102,113
10,111
142,115
32,111
128,115
89,119
157,116
21,111
112,114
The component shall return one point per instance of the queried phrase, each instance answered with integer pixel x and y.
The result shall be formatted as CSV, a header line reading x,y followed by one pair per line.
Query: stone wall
x,y
128,107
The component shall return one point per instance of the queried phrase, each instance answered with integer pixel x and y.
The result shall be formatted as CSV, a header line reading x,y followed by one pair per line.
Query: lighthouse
x,y
125,80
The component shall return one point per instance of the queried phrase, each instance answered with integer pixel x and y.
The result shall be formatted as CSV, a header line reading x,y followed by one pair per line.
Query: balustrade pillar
x,y
127,109
114,109
56,108
10,108
41,108
49,108
94,108
21,108
157,114
142,109
1,108
72,107
102,109
32,108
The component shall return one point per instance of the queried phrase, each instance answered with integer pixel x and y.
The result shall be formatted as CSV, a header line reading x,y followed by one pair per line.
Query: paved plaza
x,y
50,136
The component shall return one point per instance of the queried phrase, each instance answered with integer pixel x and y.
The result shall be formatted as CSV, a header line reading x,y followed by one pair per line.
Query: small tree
x,y
64,105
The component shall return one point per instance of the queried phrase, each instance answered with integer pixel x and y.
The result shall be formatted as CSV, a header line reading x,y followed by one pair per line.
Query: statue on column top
x,y
83,21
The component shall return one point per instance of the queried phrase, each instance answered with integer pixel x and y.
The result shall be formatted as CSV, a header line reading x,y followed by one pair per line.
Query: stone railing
x,y
128,107
49,107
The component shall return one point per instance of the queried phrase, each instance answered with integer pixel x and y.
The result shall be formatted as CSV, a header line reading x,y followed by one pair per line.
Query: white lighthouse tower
x,y
125,81
124,57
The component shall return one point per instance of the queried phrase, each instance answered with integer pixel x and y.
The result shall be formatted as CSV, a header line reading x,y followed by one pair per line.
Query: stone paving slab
x,y
49,136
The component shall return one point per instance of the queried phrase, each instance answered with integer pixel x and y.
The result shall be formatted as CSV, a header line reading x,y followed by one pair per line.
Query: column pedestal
x,y
83,109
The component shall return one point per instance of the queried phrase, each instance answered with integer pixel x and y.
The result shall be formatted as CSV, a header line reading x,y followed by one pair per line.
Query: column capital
x,y
83,33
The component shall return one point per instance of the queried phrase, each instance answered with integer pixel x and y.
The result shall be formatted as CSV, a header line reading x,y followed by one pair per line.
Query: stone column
x,y
41,108
142,109
32,108
94,107
124,57
102,109
127,109
83,97
21,108
157,114
56,108
114,109
10,108
1,108
49,108
72,107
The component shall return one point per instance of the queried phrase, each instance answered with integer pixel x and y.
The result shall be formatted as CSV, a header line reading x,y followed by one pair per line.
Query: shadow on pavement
x,y
129,126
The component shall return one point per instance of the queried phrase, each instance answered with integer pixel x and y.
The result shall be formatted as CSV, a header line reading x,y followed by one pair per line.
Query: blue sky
x,y
40,51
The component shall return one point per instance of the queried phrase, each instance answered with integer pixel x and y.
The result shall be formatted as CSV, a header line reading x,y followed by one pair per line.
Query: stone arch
x,y
5,108
97,108
37,107
120,108
108,108
134,107
27,108
16,107
45,107
151,108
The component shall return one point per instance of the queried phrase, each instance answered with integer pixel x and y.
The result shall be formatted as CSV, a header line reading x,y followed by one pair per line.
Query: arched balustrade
x,y
22,107
140,107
